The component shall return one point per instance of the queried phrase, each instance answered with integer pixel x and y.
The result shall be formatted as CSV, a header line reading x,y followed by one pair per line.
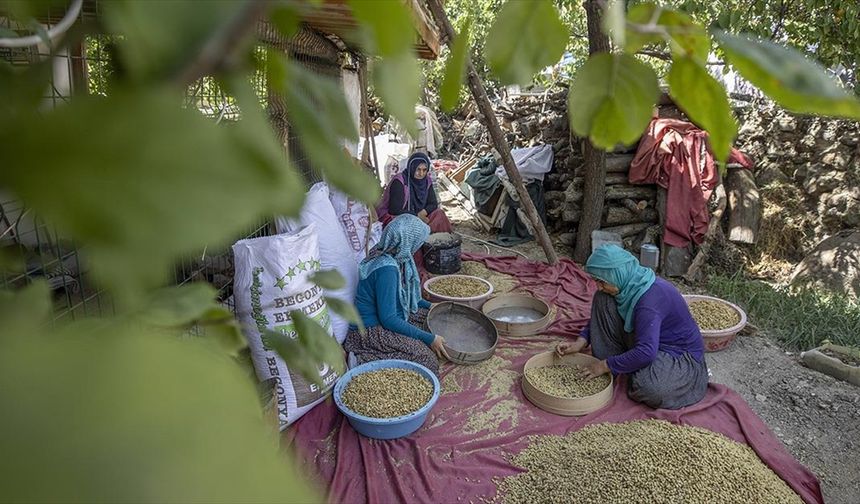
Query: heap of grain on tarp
x,y
645,461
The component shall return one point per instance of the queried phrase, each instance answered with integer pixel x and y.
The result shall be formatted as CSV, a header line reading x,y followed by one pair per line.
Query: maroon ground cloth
x,y
565,285
674,155
482,418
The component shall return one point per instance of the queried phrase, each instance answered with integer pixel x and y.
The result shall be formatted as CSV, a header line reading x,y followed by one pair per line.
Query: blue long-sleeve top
x,y
377,300
662,322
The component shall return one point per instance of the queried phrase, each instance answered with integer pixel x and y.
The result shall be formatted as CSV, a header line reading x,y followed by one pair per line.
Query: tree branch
x,y
222,45
668,57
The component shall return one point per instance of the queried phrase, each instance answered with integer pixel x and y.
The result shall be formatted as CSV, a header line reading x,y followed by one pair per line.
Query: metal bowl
x,y
470,337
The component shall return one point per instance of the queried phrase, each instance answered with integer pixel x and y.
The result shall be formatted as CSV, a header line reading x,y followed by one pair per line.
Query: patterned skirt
x,y
379,343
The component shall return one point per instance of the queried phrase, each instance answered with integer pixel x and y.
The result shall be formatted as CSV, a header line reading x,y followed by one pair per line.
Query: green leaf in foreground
x,y
345,310
455,69
611,99
704,100
685,37
788,77
146,416
311,347
525,38
322,129
328,279
155,184
397,76
614,22
160,37
397,79
193,306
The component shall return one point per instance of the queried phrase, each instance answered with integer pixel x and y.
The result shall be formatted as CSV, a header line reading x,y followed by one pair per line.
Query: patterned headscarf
x,y
616,266
402,237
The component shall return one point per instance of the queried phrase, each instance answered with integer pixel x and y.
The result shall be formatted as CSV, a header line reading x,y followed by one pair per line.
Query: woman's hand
x,y
599,368
564,348
423,216
438,347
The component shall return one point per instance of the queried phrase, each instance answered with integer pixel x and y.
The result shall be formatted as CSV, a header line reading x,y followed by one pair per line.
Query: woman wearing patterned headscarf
x,y
411,192
389,301
641,326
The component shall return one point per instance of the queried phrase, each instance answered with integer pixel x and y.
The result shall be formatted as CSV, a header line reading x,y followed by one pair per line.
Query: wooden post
x,y
499,141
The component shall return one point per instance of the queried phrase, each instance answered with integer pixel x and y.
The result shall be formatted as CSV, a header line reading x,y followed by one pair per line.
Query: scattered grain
x,y
502,283
387,393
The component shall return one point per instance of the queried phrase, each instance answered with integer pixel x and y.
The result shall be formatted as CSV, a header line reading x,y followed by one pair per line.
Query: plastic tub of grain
x,y
557,384
462,289
470,337
517,315
387,399
719,320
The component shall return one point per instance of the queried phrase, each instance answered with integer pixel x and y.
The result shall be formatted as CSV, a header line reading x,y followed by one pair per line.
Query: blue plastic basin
x,y
386,428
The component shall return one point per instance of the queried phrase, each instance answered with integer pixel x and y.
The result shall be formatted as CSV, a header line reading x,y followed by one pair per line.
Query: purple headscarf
x,y
418,189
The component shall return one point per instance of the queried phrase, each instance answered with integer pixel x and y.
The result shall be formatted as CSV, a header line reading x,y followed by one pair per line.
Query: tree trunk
x,y
744,206
479,93
595,159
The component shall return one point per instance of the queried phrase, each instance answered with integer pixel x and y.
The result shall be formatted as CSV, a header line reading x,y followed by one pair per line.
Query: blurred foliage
x,y
143,412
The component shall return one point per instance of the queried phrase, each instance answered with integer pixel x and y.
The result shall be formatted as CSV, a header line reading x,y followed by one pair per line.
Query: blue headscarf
x,y
418,189
616,266
402,237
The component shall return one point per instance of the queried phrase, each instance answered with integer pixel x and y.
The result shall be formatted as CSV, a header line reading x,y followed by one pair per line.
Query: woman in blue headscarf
x,y
411,192
641,326
388,299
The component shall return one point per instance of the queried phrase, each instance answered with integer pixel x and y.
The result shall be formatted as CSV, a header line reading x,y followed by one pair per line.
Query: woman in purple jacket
x,y
641,326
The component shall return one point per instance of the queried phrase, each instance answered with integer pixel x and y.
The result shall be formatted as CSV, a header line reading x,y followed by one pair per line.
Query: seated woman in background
x,y
411,192
641,326
388,299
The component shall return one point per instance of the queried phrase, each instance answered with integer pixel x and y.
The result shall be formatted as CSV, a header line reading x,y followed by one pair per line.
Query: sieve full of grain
x,y
458,287
644,461
569,382
714,315
387,393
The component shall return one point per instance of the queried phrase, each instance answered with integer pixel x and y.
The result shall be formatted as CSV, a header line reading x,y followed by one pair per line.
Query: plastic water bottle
x,y
649,256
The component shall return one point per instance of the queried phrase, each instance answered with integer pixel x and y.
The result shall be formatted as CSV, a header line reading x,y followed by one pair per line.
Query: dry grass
x,y
787,226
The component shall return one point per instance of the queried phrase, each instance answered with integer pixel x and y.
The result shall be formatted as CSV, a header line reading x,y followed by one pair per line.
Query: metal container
x,y
470,337
517,315
649,256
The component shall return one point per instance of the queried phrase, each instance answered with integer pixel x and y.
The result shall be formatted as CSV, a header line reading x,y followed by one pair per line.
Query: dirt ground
x,y
817,417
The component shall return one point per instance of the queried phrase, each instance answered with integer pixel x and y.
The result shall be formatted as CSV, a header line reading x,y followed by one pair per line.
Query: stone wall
x,y
819,156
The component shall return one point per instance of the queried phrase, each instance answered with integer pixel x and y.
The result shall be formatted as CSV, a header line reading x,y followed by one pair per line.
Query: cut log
x,y
611,179
744,206
633,206
614,215
618,163
628,229
620,192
